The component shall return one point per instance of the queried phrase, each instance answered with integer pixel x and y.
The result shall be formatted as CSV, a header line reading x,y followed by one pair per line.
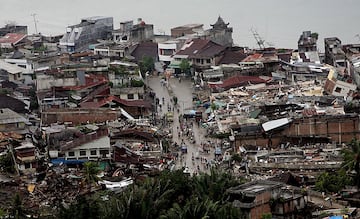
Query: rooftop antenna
x,y
35,23
258,38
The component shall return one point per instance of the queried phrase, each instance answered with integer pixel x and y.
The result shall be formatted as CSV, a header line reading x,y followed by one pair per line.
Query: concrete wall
x,y
340,129
45,82
99,146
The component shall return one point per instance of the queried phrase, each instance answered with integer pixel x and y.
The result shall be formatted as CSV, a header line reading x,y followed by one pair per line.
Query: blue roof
x,y
336,217
67,162
218,151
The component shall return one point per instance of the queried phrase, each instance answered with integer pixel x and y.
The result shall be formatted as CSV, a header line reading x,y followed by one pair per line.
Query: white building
x,y
94,150
167,49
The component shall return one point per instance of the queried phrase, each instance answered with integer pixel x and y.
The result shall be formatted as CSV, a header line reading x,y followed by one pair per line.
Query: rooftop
x,y
12,38
198,48
8,116
188,26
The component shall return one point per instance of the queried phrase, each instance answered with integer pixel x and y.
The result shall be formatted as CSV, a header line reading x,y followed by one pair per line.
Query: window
x,y
338,90
130,96
208,61
93,152
71,153
27,165
104,152
82,153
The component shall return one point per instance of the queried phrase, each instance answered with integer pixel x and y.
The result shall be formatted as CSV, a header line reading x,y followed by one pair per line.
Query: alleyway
x,y
183,91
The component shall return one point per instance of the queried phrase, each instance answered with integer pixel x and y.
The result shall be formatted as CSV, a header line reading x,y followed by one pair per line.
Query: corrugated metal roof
x,y
273,124
10,68
12,38
8,116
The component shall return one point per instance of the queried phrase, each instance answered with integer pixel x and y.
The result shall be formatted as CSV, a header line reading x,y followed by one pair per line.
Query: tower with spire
x,y
221,33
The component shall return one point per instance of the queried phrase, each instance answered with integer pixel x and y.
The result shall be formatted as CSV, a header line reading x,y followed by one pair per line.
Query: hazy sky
x,y
279,22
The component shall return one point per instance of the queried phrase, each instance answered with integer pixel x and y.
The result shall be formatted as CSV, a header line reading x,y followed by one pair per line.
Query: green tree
x,y
332,182
137,83
266,216
17,210
2,213
83,208
315,35
91,170
168,195
351,159
236,157
214,185
6,163
185,66
147,64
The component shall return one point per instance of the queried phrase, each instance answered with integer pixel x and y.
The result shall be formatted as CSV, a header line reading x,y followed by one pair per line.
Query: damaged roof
x,y
199,48
132,103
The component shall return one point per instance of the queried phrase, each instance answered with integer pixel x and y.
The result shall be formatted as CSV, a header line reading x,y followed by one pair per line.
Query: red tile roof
x,y
252,58
12,38
130,103
199,48
265,57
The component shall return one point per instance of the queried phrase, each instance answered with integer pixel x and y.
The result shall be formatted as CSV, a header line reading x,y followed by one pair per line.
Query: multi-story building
x,y
113,50
79,36
130,32
202,54
12,28
258,198
334,55
307,41
167,49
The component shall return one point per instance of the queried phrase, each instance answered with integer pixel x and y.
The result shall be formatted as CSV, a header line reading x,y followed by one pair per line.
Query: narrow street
x,y
183,91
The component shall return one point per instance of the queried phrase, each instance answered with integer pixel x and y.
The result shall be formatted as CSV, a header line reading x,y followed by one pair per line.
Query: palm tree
x,y
91,170
214,185
352,160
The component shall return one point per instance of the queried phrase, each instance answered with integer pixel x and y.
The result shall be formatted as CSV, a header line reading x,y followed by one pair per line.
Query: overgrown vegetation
x,y
147,64
348,175
137,83
333,181
169,195
185,66
7,164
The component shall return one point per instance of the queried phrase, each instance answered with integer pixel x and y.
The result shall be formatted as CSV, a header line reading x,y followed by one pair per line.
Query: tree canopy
x,y
184,66
169,195
147,64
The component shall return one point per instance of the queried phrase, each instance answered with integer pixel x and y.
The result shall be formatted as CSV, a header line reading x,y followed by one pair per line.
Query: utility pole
x,y
35,23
